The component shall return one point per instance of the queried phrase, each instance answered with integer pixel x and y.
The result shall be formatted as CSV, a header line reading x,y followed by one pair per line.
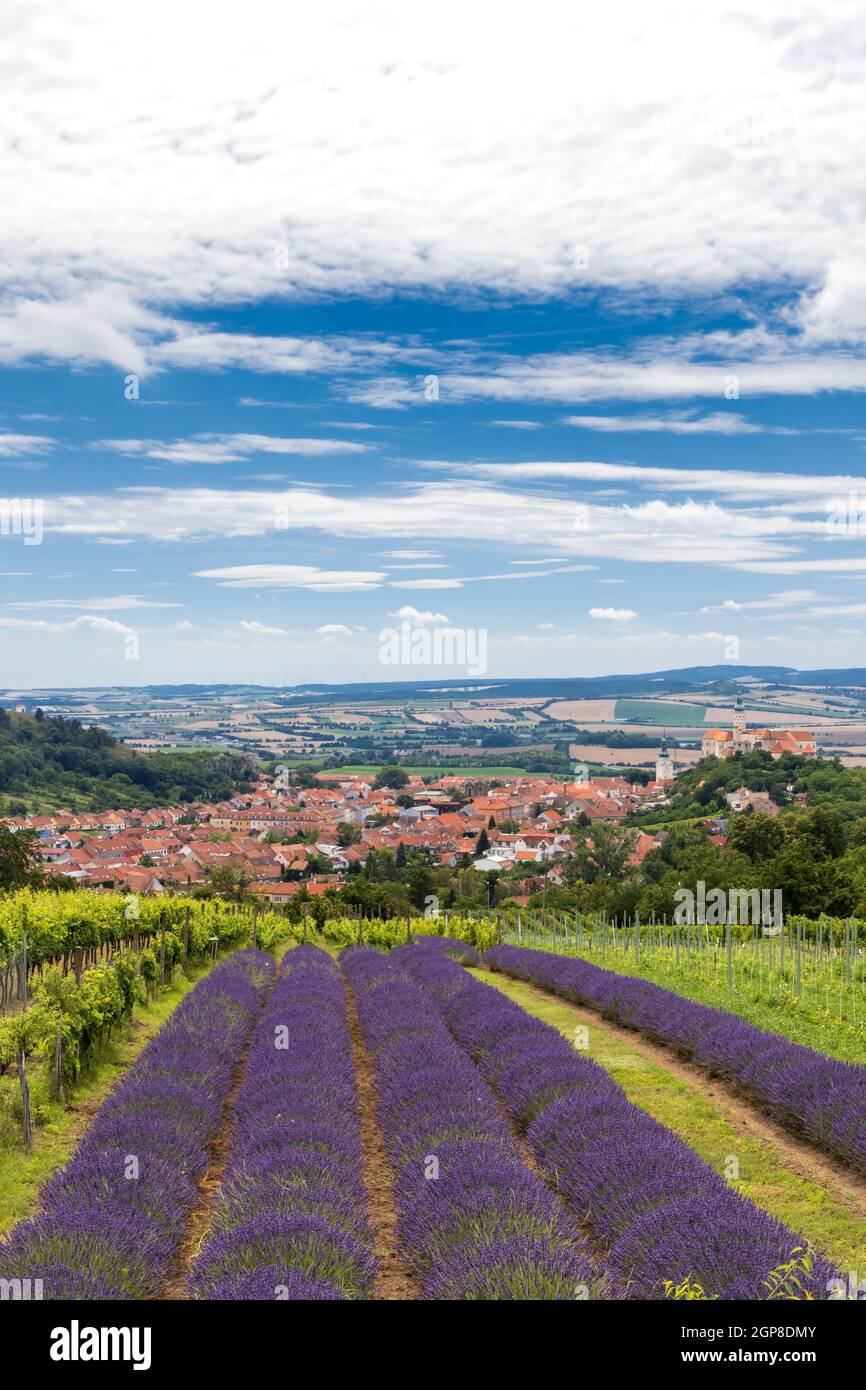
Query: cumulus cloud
x,y
614,615
188,206
413,615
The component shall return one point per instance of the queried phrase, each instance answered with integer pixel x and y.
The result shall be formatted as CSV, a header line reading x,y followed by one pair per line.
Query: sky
x,y
545,326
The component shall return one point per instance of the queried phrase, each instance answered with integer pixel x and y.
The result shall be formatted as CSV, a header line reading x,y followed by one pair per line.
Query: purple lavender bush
x,y
476,1223
291,1221
111,1220
816,1097
451,946
660,1211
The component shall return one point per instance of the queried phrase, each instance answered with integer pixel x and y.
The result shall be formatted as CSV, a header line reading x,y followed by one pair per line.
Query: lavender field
x,y
391,1126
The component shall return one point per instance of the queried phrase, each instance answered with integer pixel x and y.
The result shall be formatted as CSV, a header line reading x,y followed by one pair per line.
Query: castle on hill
x,y
724,743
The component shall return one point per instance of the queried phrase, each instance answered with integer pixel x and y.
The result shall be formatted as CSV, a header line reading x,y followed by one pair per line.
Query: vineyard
x,y
366,1114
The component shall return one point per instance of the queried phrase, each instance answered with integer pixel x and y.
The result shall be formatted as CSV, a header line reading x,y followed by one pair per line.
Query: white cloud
x,y
261,629
235,188
114,603
681,531
85,623
786,598
682,422
410,554
227,448
199,201
292,577
334,630
21,445
427,583
614,615
414,616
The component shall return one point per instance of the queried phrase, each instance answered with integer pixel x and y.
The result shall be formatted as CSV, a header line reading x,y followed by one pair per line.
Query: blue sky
x,y
588,379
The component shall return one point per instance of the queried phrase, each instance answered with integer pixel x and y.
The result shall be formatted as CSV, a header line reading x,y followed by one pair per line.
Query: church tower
x,y
739,723
664,763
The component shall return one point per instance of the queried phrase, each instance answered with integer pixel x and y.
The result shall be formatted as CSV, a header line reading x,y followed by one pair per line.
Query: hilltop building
x,y
724,743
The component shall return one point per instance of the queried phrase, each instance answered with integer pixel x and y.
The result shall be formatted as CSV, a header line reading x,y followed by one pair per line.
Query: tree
x,y
348,833
611,847
482,844
229,881
19,858
392,776
759,836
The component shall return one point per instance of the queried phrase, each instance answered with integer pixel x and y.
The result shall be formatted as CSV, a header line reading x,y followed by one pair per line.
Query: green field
x,y
439,771
660,712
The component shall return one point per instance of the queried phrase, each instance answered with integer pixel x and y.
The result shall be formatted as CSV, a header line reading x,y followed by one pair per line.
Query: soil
x,y
199,1220
395,1280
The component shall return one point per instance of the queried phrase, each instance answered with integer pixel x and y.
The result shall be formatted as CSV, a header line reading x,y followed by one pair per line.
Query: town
x,y
278,837
309,835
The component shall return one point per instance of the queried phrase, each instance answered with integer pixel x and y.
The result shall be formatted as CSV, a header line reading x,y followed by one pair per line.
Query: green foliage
x,y
19,858
392,776
687,1289
786,1280
59,762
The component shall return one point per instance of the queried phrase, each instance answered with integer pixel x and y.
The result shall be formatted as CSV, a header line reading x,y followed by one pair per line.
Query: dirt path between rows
x,y
596,1250
743,1114
198,1222
395,1280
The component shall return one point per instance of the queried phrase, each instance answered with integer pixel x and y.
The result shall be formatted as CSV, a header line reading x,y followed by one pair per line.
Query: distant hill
x,y
49,763
722,679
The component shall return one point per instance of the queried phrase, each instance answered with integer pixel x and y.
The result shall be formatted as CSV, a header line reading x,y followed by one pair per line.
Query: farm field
x,y
434,770
377,1121
660,712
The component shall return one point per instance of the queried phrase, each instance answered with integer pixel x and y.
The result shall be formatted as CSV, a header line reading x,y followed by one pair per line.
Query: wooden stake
x,y
25,1097
162,948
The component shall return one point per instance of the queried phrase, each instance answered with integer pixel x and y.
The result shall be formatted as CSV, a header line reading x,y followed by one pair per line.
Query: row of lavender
x,y
475,1222
659,1210
110,1220
291,1222
815,1096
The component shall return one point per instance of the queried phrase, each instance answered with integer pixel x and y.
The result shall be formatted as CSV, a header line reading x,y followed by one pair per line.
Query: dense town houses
x,y
280,837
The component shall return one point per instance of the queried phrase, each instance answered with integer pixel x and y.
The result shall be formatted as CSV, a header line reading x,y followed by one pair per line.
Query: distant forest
x,y
47,763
